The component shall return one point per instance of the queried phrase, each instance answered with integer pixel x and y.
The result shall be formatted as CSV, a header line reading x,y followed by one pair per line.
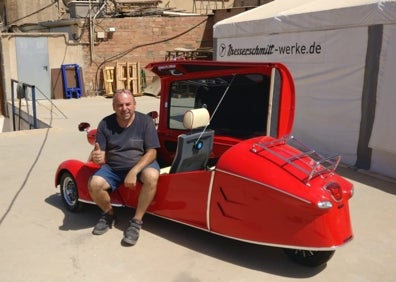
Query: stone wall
x,y
139,39
21,12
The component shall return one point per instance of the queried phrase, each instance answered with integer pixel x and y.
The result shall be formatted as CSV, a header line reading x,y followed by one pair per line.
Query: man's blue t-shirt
x,y
125,146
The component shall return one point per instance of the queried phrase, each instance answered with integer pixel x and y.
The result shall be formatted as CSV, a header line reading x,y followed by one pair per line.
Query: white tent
x,y
342,55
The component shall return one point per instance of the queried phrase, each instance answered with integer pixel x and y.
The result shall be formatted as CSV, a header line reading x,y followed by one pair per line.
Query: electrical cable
x,y
124,53
31,14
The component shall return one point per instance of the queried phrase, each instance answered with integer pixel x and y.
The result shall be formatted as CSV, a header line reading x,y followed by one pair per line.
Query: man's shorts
x,y
116,177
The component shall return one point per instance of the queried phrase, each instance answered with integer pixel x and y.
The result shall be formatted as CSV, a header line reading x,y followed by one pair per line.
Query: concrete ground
x,y
41,241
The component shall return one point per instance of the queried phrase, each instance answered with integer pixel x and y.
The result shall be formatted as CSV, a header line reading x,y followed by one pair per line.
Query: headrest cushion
x,y
196,118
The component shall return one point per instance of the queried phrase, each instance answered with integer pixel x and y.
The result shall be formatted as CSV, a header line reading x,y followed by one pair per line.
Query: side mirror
x,y
154,116
84,126
91,136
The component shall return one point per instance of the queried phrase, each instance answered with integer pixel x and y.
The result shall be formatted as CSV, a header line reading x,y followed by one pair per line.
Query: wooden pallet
x,y
128,77
125,6
124,75
189,54
108,80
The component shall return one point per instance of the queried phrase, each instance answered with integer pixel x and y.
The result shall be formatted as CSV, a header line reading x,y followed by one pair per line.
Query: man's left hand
x,y
130,180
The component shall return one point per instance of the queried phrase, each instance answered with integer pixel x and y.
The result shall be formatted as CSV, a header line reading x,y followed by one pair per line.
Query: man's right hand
x,y
98,154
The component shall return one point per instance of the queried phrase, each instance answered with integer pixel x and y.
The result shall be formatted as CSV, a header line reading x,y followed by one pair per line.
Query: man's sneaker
x,y
104,224
131,234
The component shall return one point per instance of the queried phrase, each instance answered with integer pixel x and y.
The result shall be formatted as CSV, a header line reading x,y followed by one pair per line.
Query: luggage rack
x,y
306,160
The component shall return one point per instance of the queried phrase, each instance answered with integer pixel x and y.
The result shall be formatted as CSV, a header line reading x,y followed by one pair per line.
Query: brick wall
x,y
222,14
150,36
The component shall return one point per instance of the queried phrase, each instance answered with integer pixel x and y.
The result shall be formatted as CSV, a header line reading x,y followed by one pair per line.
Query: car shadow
x,y
86,218
373,180
256,257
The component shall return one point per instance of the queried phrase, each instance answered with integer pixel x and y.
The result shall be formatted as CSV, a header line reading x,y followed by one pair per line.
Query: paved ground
x,y
41,241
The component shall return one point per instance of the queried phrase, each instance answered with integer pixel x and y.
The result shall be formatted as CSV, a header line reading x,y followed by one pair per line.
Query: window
x,y
238,104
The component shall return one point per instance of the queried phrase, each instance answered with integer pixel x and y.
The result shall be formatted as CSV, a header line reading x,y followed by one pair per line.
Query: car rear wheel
x,y
69,192
309,258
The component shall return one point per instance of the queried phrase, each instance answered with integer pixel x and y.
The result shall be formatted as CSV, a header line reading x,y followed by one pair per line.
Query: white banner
x,y
274,48
328,69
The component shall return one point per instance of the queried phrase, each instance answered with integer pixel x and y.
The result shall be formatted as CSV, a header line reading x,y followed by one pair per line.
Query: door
x,y
32,64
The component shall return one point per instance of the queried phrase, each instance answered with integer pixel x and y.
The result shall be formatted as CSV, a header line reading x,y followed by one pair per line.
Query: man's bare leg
x,y
98,187
149,177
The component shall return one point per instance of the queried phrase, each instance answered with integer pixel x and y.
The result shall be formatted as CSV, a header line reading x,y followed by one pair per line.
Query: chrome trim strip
x,y
256,242
177,221
268,186
284,246
208,201
93,203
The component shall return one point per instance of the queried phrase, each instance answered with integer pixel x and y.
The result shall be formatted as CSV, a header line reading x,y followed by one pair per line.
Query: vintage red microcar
x,y
230,165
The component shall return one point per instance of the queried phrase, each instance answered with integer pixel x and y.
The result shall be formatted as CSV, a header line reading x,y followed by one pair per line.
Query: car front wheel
x,y
309,258
69,192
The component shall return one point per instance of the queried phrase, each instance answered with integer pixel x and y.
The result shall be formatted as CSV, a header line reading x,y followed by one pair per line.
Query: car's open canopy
x,y
276,104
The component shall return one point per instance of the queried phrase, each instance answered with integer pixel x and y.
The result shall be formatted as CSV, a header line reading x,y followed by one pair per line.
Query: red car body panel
x,y
257,195
265,194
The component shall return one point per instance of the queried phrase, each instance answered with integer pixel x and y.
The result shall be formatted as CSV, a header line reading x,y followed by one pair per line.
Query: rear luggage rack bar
x,y
304,159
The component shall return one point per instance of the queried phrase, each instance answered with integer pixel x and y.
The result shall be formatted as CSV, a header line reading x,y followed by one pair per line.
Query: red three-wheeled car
x,y
230,165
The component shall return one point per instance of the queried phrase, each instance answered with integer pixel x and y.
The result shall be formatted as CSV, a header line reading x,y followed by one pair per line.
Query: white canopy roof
x,y
283,16
342,87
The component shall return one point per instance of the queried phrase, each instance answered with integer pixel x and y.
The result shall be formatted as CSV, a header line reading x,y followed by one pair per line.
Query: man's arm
x,y
97,155
131,178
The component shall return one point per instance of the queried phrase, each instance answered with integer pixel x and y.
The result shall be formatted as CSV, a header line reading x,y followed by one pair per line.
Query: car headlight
x,y
324,205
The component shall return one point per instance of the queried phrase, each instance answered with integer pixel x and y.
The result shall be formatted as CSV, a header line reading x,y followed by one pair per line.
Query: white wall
x,y
383,138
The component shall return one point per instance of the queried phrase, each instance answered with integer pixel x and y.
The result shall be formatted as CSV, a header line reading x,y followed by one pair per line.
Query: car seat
x,y
194,148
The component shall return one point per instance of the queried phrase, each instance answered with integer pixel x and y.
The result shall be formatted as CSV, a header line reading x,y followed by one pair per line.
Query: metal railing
x,y
22,94
304,159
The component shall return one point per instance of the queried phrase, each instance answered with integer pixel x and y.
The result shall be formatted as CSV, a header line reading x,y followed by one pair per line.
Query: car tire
x,y
309,258
69,192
